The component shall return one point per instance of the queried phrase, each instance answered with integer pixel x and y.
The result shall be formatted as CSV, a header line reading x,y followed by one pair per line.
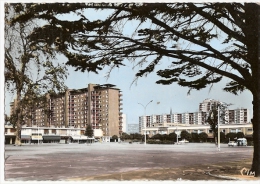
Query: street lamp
x,y
218,128
144,121
177,135
38,133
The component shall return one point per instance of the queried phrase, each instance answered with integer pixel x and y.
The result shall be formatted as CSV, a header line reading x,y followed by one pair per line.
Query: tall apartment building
x,y
98,105
236,116
205,106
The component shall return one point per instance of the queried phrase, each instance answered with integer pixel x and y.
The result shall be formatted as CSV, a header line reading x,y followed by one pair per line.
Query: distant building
x,y
124,123
246,129
132,128
206,105
98,105
235,116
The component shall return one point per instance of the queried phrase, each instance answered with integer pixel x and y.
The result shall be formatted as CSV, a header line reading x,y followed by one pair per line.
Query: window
x,y
233,130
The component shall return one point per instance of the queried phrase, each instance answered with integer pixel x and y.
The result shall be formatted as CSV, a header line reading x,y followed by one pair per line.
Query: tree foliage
x,y
157,136
185,135
240,135
212,120
231,136
184,32
124,136
136,136
89,131
172,136
222,136
203,136
114,137
29,69
194,137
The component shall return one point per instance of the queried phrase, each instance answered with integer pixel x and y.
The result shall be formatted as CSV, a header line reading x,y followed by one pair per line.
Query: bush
x,y
159,142
194,137
203,137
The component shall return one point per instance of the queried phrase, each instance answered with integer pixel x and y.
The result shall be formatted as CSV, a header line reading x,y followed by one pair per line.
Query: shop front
x,y
81,139
36,138
9,139
25,139
51,138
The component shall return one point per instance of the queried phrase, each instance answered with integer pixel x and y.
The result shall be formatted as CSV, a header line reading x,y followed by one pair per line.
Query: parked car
x,y
183,141
242,142
232,143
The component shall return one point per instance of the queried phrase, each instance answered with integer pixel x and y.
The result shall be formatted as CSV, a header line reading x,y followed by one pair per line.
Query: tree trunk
x,y
18,110
256,137
18,134
252,21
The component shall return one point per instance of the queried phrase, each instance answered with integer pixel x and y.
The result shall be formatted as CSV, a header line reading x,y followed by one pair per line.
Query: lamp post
x,y
218,128
177,135
145,119
38,134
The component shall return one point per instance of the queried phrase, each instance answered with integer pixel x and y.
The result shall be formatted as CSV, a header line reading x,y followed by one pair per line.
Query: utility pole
x,y
218,128
145,119
38,134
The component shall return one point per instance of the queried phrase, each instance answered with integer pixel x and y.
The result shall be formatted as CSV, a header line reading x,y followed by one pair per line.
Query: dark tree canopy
x,y
185,135
203,41
114,137
30,71
89,131
203,136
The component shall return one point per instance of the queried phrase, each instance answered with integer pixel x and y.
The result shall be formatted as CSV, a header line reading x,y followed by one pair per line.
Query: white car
x,y
183,141
232,143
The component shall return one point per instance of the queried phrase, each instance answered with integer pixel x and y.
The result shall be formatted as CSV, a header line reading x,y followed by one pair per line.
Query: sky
x,y
169,96
164,97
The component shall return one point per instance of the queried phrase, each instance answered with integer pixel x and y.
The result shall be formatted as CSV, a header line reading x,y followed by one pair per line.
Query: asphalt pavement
x,y
59,162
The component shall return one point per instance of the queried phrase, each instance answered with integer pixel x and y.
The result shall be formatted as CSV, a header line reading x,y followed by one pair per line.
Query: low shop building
x,y
81,139
33,135
26,139
51,138
36,138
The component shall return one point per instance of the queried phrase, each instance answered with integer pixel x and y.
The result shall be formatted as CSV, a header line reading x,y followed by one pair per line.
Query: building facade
x,y
98,105
247,129
124,122
235,116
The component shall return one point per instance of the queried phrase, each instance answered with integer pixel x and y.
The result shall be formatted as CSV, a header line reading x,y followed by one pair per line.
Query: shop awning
x,y
65,136
25,137
51,137
36,138
10,136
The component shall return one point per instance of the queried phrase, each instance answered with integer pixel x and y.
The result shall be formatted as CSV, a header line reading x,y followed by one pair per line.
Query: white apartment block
x,y
235,116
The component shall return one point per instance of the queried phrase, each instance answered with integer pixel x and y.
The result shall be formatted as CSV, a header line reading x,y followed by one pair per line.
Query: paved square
x,y
67,161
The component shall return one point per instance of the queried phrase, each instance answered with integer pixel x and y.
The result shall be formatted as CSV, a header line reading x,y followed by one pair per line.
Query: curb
x,y
223,177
